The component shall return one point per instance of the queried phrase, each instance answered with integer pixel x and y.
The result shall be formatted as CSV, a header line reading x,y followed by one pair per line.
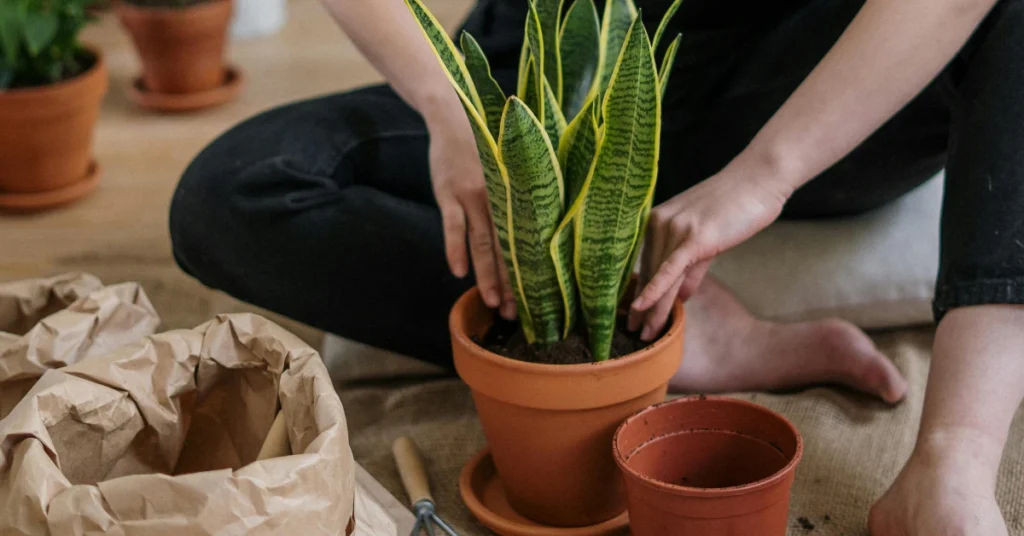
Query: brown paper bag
x,y
159,437
53,322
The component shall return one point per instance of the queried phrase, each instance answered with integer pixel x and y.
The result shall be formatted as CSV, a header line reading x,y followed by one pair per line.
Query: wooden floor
x,y
120,232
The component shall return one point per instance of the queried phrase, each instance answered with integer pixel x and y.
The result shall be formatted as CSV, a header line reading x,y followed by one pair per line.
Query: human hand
x,y
458,181
685,233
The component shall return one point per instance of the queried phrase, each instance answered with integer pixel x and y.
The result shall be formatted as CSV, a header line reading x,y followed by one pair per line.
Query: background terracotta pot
x,y
550,426
182,49
46,132
708,467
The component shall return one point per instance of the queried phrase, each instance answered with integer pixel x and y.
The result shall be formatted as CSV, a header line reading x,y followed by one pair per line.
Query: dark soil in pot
x,y
506,338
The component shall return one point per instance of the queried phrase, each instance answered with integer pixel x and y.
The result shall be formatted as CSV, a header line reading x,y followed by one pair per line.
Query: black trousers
x,y
322,210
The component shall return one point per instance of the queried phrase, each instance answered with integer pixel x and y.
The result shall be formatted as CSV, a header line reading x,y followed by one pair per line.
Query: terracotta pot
x,y
708,467
46,132
549,427
182,49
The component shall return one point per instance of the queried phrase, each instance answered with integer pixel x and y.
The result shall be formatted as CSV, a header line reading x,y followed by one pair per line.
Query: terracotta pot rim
x,y
689,491
578,369
129,7
97,69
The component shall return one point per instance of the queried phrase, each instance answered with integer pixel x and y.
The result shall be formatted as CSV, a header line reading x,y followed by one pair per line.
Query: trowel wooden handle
x,y
410,467
276,443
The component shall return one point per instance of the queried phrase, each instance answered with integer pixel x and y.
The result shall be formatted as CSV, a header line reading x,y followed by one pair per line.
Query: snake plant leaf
x,y
554,121
492,98
495,174
524,68
445,51
579,46
576,151
40,29
534,37
620,185
663,25
618,17
529,94
549,12
536,202
667,63
634,252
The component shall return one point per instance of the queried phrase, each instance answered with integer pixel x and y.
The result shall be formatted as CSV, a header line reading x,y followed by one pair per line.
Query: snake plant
x,y
571,161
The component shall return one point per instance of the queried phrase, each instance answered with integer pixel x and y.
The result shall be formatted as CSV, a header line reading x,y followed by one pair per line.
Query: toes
x,y
865,367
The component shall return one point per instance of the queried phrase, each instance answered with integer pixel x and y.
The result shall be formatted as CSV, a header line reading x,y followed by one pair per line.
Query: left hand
x,y
686,233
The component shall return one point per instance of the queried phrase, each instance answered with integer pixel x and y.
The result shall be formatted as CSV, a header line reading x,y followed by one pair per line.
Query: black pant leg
x,y
982,258
323,211
729,81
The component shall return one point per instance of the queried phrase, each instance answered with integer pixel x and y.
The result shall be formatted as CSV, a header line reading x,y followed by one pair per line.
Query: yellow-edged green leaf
x,y
618,17
667,63
634,252
663,25
500,198
576,151
619,187
530,95
445,51
535,38
554,121
549,12
580,49
524,68
492,98
536,208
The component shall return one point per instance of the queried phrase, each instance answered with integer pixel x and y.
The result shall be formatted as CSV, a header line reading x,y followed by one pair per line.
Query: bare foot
x,y
727,349
942,494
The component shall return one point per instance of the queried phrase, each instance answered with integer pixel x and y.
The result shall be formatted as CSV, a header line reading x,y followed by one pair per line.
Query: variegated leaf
x,y
618,17
495,175
445,51
618,188
492,98
554,121
549,12
534,36
663,25
576,151
536,205
667,63
580,48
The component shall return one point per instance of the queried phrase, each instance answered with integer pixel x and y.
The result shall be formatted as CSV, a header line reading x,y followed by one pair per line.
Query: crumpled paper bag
x,y
53,322
159,437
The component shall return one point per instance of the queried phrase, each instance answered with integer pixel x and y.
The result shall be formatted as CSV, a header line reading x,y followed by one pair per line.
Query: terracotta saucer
x,y
183,102
482,492
37,201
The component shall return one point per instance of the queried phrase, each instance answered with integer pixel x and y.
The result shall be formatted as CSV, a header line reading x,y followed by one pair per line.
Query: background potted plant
x,y
181,44
570,165
51,88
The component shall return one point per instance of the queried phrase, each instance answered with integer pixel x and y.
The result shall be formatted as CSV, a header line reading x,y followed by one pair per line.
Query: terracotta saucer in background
x,y
482,492
183,102
38,201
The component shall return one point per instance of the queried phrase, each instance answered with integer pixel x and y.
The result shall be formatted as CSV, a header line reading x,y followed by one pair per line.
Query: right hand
x,y
458,180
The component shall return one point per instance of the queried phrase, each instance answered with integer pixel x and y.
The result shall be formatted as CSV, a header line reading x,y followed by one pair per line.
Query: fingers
x,y
481,250
692,280
658,315
650,260
668,275
508,298
454,221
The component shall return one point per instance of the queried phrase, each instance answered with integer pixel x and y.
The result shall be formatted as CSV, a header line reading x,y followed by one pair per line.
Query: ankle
x,y
965,452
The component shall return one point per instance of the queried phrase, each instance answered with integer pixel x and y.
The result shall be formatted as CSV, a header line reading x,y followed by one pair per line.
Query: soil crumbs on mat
x,y
506,338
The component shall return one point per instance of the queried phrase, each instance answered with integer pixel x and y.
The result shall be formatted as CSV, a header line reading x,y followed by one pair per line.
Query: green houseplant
x,y
50,92
181,44
570,164
570,161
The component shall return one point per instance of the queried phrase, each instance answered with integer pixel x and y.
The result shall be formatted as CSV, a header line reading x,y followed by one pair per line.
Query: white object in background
x,y
876,270
257,18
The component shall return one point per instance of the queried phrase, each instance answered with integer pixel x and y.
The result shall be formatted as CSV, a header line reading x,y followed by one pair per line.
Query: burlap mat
x,y
855,447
